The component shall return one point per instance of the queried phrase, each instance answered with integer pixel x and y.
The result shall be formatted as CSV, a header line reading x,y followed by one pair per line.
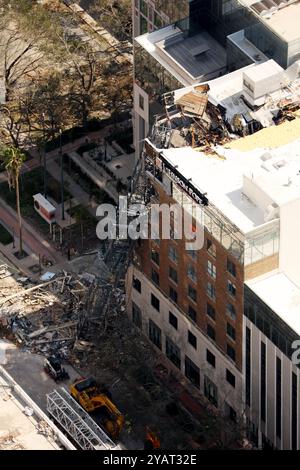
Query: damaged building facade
x,y
199,40
226,316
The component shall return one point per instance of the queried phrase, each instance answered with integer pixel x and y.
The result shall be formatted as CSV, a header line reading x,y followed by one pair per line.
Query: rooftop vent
x,y
266,156
271,212
279,164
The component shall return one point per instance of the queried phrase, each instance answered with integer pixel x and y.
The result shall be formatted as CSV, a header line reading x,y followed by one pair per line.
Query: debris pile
x,y
9,441
46,317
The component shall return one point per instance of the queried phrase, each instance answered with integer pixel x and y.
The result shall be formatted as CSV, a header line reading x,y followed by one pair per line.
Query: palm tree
x,y
13,159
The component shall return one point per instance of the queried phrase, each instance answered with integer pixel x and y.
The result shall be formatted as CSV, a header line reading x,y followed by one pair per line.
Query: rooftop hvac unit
x,y
272,212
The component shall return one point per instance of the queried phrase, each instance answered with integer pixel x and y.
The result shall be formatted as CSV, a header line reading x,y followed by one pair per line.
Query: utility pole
x,y
61,178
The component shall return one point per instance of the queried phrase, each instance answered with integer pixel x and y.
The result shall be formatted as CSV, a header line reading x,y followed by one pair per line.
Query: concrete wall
x,y
139,116
256,193
289,258
269,426
293,51
262,267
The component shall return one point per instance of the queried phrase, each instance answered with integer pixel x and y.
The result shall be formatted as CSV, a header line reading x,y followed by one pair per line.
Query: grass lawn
x,y
5,237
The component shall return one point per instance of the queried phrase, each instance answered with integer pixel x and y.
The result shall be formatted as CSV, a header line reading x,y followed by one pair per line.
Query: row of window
x,y
192,275
191,370
211,268
211,313
278,390
150,19
174,322
192,292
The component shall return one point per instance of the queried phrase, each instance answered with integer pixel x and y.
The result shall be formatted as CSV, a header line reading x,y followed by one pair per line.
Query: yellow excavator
x,y
98,404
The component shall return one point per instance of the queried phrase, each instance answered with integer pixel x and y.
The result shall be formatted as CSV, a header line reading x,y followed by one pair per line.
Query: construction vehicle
x,y
97,402
53,367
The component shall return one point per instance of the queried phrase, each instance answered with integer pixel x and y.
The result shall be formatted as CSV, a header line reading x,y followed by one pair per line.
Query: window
x,y
210,311
230,352
173,352
231,288
211,291
155,277
155,257
154,334
263,381
137,284
191,272
192,254
143,25
144,7
192,293
211,332
231,268
173,254
192,313
173,320
136,315
211,269
278,397
294,411
230,378
141,102
155,302
230,412
211,358
210,391
173,294
231,331
173,274
231,311
192,372
158,20
248,366
192,339
211,248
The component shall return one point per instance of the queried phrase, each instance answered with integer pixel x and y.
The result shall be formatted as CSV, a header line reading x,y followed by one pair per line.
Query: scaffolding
x,y
81,428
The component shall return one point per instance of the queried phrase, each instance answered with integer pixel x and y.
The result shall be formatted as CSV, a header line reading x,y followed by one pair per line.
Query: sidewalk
x,y
34,242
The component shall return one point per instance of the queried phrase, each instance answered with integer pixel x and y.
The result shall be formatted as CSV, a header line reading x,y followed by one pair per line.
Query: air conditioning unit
x,y
272,212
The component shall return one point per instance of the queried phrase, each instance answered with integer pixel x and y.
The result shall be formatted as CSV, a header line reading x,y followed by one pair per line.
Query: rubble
x,y
45,318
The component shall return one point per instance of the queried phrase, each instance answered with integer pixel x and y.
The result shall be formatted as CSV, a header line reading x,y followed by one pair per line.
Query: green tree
x,y
13,159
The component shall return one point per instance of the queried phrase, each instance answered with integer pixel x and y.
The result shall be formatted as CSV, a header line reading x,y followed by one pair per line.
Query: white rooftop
x,y
281,295
222,177
188,59
284,21
17,430
148,41
264,70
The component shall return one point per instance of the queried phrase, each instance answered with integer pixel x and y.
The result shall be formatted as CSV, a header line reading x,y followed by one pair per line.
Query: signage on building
x,y
163,165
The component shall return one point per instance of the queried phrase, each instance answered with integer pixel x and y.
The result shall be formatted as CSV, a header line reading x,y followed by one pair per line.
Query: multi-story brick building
x,y
226,315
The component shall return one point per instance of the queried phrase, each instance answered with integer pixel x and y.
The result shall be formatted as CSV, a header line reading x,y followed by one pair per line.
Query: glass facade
x,y
224,17
219,17
269,323
155,14
153,79
262,243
